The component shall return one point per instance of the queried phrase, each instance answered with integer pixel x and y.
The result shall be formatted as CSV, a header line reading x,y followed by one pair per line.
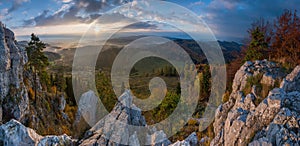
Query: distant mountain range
x,y
231,50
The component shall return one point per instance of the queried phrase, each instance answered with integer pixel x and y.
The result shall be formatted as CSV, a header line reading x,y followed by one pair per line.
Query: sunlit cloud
x,y
53,30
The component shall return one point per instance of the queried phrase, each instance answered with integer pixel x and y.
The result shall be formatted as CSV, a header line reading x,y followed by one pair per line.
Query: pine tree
x,y
257,46
37,61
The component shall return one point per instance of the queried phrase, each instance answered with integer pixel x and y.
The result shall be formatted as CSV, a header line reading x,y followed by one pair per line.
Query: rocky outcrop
x,y
292,81
269,70
191,140
275,118
87,107
285,126
120,127
13,133
13,94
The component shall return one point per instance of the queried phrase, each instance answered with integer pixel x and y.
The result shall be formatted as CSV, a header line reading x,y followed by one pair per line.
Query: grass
x,y
251,81
262,89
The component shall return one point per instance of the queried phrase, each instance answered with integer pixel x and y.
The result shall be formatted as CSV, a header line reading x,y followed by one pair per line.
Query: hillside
x,y
115,45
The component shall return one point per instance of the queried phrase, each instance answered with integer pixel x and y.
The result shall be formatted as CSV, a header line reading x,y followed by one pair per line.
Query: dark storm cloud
x,y
232,18
142,25
77,11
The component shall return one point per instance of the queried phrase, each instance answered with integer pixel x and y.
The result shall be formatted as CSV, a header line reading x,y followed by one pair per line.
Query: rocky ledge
x,y
13,133
255,120
118,128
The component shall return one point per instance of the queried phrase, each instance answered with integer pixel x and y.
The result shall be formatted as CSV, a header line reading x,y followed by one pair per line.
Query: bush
x,y
71,111
226,96
31,94
251,81
192,122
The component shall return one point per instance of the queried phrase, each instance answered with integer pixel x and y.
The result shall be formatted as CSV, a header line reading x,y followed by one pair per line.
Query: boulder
x,y
191,140
13,133
292,81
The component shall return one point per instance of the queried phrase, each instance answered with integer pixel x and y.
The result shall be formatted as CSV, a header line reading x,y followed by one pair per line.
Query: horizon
x,y
75,38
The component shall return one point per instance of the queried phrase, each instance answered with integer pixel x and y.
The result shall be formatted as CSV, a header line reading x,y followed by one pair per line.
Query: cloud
x,y
196,3
232,18
142,25
3,13
72,12
66,1
72,29
16,4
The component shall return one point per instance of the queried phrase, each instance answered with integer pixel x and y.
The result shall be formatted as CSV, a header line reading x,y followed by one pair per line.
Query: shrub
x,y
192,122
226,96
251,81
71,111
31,94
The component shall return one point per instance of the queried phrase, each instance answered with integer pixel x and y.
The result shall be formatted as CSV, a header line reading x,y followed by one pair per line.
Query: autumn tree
x,y
37,61
287,38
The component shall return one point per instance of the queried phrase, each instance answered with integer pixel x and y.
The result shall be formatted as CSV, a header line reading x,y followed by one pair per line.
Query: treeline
x,y
278,40
166,71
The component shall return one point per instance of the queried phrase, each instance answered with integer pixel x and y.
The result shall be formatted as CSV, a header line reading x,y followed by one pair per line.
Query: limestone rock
x,y
275,119
292,81
269,70
13,94
57,140
62,103
14,133
284,128
121,127
87,107
260,142
191,140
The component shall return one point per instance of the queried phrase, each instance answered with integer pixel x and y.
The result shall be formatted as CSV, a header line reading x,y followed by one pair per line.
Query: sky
x,y
227,19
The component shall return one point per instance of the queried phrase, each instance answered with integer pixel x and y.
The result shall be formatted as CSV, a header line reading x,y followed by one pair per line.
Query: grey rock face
x,y
292,81
13,94
13,133
285,127
87,108
274,119
62,140
269,70
191,140
117,128
62,103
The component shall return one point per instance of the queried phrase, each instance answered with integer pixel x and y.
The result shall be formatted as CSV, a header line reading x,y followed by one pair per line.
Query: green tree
x,y
257,46
205,82
60,82
37,61
260,36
